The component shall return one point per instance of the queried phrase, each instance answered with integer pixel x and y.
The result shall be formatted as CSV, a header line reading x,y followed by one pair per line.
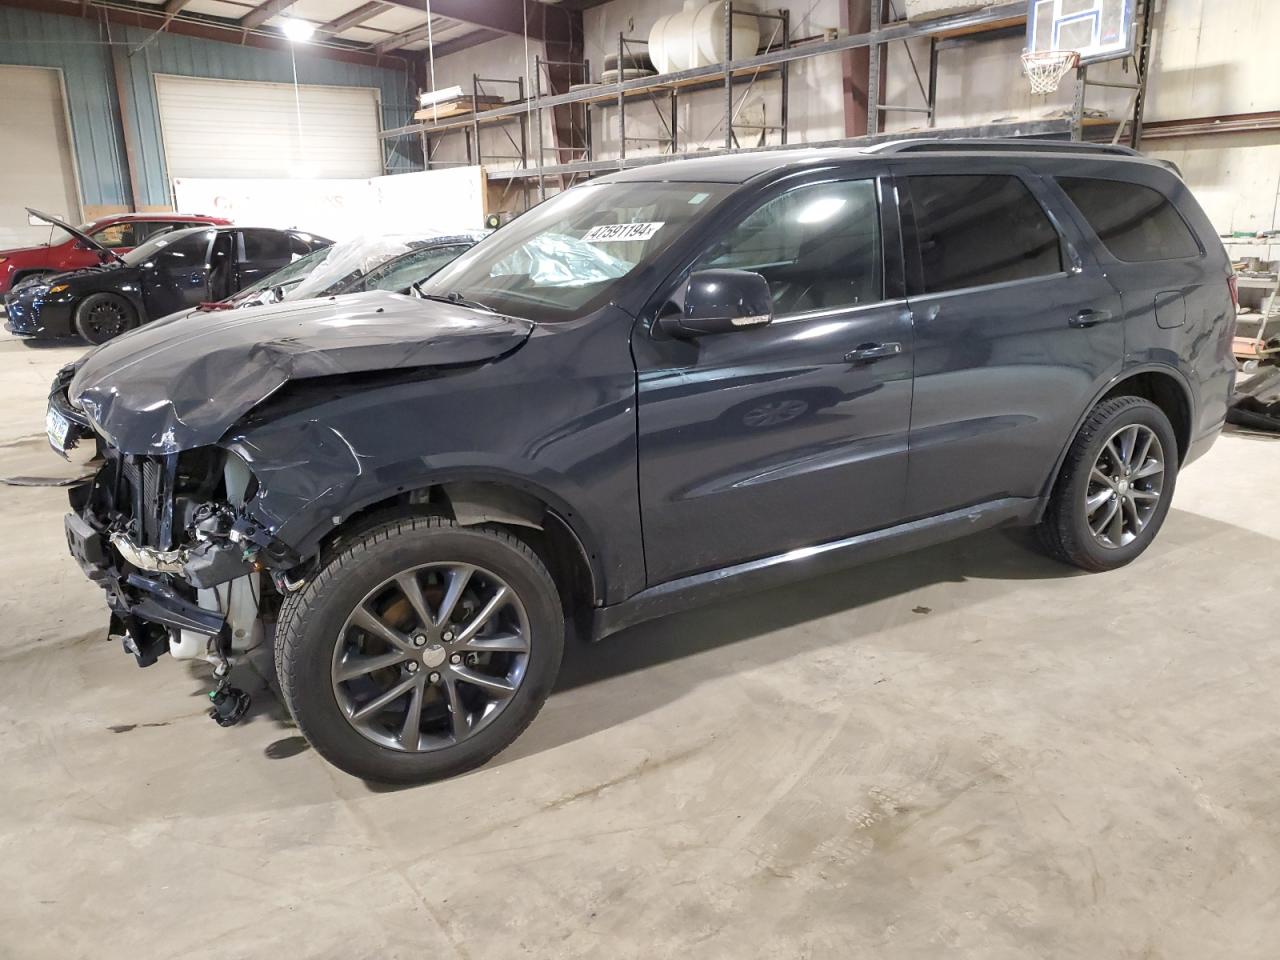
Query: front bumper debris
x,y
144,608
160,537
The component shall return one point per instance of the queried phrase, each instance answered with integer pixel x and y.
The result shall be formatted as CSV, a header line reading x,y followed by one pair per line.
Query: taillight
x,y
1234,287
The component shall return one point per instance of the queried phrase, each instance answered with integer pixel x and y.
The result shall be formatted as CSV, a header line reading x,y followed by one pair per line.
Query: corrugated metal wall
x,y
43,40
80,48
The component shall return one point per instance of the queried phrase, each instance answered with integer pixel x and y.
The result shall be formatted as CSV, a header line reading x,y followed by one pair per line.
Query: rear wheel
x,y
1114,488
421,650
101,316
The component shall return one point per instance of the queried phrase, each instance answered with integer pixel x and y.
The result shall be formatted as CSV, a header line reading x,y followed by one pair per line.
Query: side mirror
x,y
718,301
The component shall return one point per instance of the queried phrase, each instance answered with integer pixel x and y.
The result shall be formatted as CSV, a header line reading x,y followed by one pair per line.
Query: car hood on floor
x,y
182,382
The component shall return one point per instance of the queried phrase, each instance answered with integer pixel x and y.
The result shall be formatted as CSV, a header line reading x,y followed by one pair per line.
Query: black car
x,y
371,262
169,272
649,391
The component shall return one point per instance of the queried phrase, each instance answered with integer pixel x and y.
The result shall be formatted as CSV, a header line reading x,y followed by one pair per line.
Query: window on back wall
x,y
1136,223
979,230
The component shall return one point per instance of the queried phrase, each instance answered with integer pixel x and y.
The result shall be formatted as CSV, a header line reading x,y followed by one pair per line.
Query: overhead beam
x,y
203,29
467,40
545,21
264,12
171,7
422,32
351,19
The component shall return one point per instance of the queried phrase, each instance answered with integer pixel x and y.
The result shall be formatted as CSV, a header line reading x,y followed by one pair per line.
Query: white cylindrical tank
x,y
708,30
237,600
678,39
658,45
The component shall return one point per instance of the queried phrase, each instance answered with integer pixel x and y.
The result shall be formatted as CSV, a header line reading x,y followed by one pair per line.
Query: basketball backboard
x,y
1098,29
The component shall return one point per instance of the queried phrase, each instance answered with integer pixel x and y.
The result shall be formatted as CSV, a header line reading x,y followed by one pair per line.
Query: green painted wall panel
x,y
82,49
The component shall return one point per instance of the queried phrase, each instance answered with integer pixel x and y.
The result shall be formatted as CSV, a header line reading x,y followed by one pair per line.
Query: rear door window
x,y
301,247
266,246
978,230
1135,223
153,228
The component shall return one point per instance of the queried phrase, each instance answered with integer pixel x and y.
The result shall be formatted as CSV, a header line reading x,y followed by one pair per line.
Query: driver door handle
x,y
1091,318
872,351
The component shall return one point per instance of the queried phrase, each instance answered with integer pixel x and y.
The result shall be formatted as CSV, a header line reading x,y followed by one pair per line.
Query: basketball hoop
x,y
1046,68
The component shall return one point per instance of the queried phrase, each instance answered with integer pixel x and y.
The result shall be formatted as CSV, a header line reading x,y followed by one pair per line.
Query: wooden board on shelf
x,y
984,28
456,108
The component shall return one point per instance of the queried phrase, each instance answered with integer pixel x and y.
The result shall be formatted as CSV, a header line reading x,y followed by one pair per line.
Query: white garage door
x,y
237,128
38,170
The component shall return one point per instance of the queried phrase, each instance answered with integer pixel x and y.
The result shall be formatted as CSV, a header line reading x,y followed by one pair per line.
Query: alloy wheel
x,y
107,319
1125,485
431,656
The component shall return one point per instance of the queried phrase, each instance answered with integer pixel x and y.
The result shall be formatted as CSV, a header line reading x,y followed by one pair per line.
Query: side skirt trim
x,y
804,562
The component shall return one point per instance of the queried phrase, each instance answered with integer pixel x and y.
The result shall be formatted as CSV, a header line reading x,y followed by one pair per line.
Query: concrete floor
x,y
967,752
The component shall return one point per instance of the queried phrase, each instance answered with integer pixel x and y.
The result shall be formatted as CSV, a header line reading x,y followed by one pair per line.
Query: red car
x,y
119,233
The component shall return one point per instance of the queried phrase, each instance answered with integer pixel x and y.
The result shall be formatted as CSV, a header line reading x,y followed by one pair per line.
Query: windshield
x,y
157,243
565,257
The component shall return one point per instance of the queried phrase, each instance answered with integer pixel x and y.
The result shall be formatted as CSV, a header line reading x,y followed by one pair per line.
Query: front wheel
x,y
101,316
1114,488
421,649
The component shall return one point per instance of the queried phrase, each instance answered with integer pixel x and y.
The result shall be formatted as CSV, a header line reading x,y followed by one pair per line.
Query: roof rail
x,y
974,145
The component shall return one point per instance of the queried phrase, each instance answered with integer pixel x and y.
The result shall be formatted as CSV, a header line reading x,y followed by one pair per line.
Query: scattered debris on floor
x,y
1256,403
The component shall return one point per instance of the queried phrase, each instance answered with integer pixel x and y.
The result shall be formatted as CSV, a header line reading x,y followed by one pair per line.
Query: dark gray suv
x,y
652,390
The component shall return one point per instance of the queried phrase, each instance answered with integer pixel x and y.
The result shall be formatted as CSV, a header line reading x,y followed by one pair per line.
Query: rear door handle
x,y
872,351
1091,318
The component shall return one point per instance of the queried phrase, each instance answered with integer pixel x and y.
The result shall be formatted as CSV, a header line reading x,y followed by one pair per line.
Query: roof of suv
x,y
741,167
162,217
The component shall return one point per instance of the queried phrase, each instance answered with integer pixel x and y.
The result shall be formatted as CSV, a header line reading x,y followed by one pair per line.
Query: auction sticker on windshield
x,y
57,426
613,232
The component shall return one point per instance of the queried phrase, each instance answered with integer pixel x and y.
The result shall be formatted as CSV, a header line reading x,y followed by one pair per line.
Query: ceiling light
x,y
299,31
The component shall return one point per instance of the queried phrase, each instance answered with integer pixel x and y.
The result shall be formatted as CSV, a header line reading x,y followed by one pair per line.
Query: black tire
x,y
311,624
630,61
1065,532
101,316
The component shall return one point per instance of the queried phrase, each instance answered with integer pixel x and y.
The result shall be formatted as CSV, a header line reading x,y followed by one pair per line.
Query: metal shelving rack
x,y
1138,89
730,72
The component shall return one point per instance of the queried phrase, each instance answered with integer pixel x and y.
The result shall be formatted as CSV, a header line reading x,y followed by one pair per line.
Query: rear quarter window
x,y
976,230
1135,223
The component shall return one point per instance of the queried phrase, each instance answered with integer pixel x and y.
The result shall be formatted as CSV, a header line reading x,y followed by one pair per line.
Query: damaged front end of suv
x,y
183,522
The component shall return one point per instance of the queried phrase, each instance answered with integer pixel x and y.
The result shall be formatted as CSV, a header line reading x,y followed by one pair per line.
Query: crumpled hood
x,y
182,382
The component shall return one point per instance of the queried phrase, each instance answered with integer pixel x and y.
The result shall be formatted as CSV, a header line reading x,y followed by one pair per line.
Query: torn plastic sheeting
x,y
362,254
175,385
